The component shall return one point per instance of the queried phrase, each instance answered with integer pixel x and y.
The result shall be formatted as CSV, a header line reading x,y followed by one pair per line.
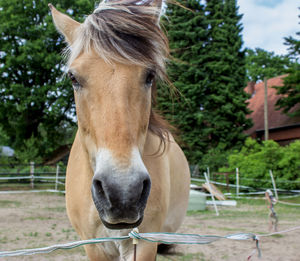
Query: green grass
x,y
229,213
248,210
26,186
31,234
3,240
187,257
67,230
9,203
56,209
53,226
251,202
228,229
291,200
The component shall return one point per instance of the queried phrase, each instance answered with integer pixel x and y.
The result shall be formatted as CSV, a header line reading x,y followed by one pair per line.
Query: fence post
x,y
56,178
212,196
195,172
274,184
208,173
32,174
237,182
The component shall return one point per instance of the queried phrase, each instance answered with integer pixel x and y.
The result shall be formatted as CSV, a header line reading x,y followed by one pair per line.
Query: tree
x,y
187,33
209,71
291,84
225,76
4,139
36,103
261,63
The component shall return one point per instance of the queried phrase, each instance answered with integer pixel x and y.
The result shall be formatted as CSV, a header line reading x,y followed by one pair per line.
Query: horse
x,y
125,169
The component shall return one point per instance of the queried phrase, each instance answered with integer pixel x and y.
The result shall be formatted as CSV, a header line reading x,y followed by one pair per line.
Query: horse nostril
x,y
146,189
98,187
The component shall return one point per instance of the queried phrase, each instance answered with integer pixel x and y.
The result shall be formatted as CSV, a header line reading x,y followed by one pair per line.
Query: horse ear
x,y
64,24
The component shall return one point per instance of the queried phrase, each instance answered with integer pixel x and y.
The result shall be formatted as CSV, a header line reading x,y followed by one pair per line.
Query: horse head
x,y
114,58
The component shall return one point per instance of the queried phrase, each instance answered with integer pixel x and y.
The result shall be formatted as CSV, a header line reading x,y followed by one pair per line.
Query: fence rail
x,y
32,176
239,180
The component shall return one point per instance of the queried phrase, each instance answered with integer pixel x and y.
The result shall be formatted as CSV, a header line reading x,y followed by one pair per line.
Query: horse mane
x,y
127,31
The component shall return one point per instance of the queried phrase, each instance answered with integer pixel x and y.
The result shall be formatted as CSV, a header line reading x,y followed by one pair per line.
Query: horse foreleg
x,y
95,254
145,251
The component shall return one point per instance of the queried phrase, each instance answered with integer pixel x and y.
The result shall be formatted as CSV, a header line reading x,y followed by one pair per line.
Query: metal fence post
x,y
56,178
32,174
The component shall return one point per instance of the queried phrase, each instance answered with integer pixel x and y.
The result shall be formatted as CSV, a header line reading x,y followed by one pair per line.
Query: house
x,y
282,128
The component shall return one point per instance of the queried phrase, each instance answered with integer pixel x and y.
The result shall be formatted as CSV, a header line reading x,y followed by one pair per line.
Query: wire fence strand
x,y
165,238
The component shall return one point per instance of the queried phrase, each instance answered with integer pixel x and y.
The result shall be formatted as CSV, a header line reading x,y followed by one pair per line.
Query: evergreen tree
x,y
36,104
187,33
225,105
208,69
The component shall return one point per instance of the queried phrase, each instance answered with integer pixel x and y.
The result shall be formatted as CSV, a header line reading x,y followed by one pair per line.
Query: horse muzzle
x,y
121,197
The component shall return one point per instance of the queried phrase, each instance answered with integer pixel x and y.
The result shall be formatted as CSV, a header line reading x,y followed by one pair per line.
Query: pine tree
x,y
209,70
187,33
225,76
36,104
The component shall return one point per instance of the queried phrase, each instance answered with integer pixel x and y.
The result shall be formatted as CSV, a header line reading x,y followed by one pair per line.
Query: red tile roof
x,y
276,118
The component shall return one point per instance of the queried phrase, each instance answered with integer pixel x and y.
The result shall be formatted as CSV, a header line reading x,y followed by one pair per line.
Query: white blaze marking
x,y
106,162
137,162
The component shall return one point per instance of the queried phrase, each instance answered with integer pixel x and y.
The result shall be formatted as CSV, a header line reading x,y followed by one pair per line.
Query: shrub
x,y
255,160
213,159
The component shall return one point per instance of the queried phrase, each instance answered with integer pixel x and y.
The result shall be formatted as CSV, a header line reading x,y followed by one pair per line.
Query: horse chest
x,y
118,250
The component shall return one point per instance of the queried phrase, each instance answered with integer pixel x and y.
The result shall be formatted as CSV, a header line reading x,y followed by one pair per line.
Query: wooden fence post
x,y
211,194
32,174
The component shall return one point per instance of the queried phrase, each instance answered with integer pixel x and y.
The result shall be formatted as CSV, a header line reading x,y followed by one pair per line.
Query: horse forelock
x,y
124,31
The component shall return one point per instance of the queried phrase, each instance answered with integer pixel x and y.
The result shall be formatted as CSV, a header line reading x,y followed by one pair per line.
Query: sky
x,y
267,22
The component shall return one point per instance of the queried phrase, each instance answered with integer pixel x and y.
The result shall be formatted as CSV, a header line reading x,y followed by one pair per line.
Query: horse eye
x,y
75,83
150,78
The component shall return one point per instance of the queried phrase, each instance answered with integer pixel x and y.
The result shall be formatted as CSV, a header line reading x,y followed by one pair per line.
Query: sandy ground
x,y
37,220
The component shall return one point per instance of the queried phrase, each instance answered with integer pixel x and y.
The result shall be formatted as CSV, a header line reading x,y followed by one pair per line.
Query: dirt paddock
x,y
34,220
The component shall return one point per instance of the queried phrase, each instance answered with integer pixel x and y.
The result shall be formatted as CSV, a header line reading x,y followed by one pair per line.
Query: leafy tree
x,y
261,63
4,139
208,69
291,84
36,104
